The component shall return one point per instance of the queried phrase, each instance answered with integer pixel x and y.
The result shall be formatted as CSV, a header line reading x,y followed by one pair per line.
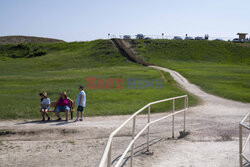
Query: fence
x,y
243,146
169,37
106,158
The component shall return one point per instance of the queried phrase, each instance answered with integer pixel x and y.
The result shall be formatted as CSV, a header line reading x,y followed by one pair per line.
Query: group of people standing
x,y
63,104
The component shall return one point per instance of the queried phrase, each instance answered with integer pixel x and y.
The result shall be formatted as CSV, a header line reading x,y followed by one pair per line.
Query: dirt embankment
x,y
126,50
27,39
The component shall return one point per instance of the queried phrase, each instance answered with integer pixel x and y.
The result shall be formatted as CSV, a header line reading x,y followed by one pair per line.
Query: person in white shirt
x,y
45,102
81,103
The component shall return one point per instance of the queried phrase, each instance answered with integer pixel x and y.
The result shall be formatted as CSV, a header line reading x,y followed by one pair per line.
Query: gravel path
x,y
213,140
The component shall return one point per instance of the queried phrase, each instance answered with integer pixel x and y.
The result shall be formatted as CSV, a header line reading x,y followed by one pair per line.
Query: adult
x,y
63,105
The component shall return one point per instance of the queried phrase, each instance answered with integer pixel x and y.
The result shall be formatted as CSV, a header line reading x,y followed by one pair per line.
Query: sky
x,y
83,20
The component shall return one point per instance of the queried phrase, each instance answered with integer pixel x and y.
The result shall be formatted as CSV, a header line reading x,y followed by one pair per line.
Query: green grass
x,y
64,66
220,68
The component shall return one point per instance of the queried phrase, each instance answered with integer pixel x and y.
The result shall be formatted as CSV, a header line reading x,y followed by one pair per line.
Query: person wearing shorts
x,y
80,102
63,105
45,102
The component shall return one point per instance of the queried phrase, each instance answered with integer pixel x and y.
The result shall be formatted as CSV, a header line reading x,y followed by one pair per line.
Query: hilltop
x,y
27,39
155,51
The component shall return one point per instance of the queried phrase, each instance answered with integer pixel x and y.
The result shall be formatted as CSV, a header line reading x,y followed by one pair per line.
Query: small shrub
x,y
37,53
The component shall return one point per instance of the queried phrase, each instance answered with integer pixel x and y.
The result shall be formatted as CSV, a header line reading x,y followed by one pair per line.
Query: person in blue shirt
x,y
80,102
45,102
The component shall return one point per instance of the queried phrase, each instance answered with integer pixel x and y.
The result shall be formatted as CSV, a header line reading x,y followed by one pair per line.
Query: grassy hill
x,y
27,69
220,68
26,39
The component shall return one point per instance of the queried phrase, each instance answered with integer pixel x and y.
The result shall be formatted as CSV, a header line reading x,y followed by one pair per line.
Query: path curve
x,y
214,142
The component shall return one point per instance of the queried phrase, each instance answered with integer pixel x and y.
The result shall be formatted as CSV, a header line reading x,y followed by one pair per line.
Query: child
x,y
80,102
45,102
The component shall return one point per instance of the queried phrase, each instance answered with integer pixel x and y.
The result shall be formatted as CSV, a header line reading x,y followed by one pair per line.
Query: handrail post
x,y
173,110
185,106
240,144
149,107
132,149
109,156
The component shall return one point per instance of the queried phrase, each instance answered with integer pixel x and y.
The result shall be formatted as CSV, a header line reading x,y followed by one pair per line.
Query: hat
x,y
43,94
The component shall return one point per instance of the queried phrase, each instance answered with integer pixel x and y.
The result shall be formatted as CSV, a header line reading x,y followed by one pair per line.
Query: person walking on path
x,y
80,102
45,102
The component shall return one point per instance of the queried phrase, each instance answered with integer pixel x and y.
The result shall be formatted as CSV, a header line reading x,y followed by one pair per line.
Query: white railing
x,y
106,158
243,146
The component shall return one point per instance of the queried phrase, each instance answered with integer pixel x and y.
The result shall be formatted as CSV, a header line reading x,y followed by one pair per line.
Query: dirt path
x,y
212,142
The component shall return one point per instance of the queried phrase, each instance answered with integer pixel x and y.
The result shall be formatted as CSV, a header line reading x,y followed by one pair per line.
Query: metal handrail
x,y
242,146
106,158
